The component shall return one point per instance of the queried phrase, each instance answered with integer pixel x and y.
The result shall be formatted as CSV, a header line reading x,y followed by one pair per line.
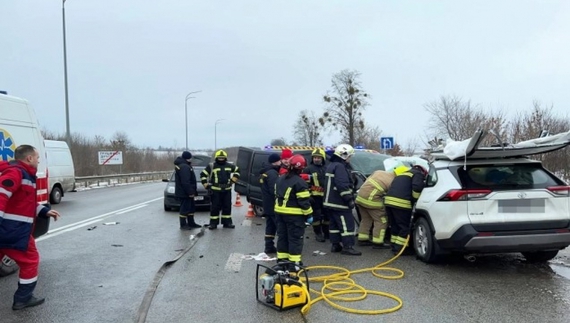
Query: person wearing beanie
x,y
268,177
186,188
286,154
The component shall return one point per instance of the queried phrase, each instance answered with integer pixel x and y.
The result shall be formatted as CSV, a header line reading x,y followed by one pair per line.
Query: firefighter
x,y
268,178
371,208
399,202
339,201
316,170
185,189
292,210
218,178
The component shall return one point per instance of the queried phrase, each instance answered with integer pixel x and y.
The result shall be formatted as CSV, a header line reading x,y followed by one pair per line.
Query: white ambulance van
x,y
19,126
61,172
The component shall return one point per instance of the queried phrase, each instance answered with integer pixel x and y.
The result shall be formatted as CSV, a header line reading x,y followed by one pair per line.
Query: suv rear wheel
x,y
424,243
540,256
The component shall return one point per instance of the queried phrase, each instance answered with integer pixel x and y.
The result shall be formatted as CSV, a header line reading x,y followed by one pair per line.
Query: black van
x,y
251,161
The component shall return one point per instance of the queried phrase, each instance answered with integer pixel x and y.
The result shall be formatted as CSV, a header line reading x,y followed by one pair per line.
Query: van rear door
x,y
244,164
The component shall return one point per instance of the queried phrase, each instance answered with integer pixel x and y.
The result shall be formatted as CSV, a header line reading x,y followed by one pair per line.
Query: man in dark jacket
x,y
339,201
269,176
399,202
185,190
18,210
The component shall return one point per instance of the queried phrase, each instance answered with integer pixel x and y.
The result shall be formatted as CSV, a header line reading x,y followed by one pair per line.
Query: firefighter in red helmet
x,y
292,210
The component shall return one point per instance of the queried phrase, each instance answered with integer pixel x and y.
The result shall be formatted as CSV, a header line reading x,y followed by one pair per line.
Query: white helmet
x,y
344,151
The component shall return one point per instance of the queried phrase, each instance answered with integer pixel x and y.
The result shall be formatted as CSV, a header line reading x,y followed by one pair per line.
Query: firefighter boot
x,y
336,247
270,246
183,225
24,297
350,251
318,233
191,223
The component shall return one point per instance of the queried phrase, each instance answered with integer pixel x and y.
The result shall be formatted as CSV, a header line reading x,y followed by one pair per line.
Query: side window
x,y
259,160
431,179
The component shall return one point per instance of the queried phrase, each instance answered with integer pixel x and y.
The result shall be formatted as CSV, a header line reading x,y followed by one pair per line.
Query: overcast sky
x,y
258,63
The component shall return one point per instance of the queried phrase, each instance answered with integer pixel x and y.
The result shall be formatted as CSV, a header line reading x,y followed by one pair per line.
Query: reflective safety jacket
x,y
268,178
185,178
338,184
405,189
317,179
18,204
292,196
220,176
371,193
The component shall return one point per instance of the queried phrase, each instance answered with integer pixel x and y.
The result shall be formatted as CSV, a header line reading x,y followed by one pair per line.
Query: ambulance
x,y
19,126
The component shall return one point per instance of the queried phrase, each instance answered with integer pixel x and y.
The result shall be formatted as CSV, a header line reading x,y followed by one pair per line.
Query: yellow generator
x,y
279,288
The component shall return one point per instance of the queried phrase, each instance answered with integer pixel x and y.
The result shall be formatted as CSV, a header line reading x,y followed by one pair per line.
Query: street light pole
x,y
188,96
67,131
216,133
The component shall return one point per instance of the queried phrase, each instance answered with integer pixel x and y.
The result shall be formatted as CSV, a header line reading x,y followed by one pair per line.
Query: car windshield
x,y
504,177
367,162
197,171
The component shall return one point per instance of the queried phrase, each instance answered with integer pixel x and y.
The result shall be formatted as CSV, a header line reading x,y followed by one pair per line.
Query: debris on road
x,y
111,223
91,228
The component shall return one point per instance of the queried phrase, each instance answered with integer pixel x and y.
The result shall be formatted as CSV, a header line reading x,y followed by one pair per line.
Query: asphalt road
x,y
103,274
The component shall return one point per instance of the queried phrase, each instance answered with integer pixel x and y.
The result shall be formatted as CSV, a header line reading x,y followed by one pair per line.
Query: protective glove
x,y
234,179
206,186
305,177
309,219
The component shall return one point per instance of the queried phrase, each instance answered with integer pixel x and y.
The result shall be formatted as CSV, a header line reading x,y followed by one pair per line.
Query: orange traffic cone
x,y
250,213
238,200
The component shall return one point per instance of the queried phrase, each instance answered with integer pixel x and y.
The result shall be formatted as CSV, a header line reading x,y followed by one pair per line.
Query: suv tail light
x,y
464,195
559,190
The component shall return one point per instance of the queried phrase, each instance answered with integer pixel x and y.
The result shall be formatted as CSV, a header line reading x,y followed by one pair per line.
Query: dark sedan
x,y
171,202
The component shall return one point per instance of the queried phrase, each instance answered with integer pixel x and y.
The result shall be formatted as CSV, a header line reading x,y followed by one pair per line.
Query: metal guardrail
x,y
115,179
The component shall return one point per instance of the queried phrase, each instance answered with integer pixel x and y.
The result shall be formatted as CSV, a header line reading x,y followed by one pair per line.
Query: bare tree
x,y
453,118
411,147
368,137
345,103
307,129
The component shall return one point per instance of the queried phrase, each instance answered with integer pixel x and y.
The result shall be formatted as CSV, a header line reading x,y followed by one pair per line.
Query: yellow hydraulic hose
x,y
338,284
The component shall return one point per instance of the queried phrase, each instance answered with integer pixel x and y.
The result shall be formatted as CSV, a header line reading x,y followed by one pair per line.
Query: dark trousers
x,y
290,236
341,227
320,216
270,230
221,201
187,209
399,220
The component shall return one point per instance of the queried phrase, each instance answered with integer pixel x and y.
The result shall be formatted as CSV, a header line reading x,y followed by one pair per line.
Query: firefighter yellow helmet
x,y
318,152
221,154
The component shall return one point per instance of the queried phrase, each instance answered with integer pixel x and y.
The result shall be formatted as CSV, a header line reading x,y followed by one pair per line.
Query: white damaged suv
x,y
493,200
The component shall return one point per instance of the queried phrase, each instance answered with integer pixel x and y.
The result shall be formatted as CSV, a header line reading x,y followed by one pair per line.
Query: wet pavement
x,y
103,274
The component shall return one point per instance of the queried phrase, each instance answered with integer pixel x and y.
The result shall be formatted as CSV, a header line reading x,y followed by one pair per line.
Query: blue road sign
x,y
387,142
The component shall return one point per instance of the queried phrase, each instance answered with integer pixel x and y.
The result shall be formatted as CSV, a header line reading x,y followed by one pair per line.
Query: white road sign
x,y
113,157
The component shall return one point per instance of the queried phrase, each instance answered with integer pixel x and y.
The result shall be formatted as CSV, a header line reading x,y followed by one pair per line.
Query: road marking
x,y
131,209
92,220
234,262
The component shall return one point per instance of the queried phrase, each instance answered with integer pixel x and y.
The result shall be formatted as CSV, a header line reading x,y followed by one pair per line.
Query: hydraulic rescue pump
x,y
281,289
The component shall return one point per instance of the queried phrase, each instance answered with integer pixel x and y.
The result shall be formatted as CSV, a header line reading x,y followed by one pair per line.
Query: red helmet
x,y
297,162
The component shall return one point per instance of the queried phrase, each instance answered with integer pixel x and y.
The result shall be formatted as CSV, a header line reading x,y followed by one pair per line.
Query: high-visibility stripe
x,y
303,194
1,214
282,255
19,218
397,202
338,206
39,208
346,233
288,210
29,280
415,195
226,216
368,203
334,231
5,192
294,258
